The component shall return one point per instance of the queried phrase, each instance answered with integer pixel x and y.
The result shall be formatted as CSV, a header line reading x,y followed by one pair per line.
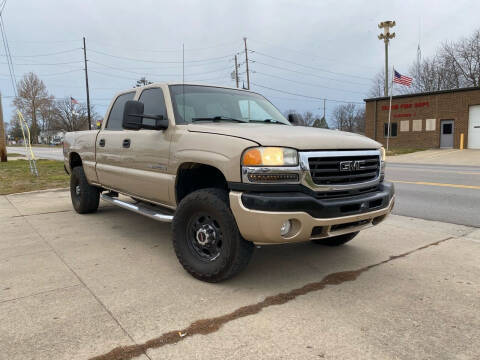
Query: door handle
x,y
126,143
101,142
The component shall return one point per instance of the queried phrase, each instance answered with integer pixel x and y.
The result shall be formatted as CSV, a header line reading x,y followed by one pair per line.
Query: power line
x,y
307,74
308,84
177,50
308,96
312,56
310,67
49,54
45,64
158,62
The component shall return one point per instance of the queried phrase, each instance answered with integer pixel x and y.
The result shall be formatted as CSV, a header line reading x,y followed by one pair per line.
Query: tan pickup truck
x,y
229,170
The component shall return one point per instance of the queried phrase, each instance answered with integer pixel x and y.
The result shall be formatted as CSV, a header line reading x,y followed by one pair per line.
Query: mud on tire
x,y
85,198
206,238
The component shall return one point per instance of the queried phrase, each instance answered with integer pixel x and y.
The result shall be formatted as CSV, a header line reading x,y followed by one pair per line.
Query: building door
x,y
474,127
446,133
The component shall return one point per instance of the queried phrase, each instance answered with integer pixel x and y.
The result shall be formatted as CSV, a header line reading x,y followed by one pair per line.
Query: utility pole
x,y
236,70
324,109
246,63
86,85
386,36
3,145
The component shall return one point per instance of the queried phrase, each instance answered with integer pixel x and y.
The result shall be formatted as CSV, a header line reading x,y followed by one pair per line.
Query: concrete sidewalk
x,y
77,286
468,157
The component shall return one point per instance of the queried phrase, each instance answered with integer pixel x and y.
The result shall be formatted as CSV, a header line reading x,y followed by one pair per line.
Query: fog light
x,y
285,228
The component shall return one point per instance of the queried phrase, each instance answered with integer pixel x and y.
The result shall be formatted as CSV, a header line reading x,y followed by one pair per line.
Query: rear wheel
x,y
206,238
336,240
85,197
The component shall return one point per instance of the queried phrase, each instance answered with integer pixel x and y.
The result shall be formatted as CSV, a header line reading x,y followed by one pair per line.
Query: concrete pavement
x,y
78,286
40,152
466,157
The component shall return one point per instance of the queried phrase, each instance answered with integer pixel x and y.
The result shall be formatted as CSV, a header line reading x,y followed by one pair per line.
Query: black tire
x,y
85,197
336,240
224,252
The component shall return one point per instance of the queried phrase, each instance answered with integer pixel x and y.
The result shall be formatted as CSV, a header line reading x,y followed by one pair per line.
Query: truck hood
x,y
297,137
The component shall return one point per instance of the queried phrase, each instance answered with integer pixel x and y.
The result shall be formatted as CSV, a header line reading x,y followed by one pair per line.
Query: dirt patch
x,y
208,326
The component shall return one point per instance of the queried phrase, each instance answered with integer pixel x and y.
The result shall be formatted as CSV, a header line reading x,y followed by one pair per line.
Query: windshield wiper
x,y
217,118
269,121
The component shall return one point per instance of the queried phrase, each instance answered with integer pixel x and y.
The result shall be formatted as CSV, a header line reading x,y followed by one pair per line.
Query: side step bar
x,y
139,209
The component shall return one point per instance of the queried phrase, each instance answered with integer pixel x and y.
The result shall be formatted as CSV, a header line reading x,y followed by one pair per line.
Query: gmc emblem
x,y
352,165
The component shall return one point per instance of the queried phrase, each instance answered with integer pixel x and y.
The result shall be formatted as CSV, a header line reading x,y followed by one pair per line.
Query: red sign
x,y
406,106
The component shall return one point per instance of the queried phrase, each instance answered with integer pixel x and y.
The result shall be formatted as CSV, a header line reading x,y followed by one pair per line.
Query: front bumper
x,y
260,216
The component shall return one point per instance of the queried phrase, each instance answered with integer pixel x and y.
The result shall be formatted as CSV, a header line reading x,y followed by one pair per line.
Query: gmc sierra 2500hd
x,y
229,170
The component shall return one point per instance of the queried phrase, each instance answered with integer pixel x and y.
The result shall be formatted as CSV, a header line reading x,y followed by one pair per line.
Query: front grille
x,y
326,170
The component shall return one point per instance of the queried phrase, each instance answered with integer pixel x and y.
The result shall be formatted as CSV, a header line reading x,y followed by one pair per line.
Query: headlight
x,y
383,153
270,156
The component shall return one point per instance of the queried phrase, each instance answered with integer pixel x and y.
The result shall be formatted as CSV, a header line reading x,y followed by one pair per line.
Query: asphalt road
x,y
52,153
437,192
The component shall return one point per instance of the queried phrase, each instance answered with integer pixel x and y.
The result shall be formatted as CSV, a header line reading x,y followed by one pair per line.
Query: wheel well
x,y
194,176
75,160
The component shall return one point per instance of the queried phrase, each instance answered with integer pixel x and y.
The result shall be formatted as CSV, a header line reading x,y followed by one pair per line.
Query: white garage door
x,y
474,127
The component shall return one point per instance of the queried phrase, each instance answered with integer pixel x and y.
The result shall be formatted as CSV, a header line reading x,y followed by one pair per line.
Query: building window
x,y
430,124
393,129
417,125
405,125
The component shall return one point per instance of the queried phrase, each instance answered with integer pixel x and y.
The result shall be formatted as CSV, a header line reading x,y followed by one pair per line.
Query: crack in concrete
x,y
211,325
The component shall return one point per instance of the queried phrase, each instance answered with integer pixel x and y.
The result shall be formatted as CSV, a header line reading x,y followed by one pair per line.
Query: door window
x,y
447,129
115,117
154,104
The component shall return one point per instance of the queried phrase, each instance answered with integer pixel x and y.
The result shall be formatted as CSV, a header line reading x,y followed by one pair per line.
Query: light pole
x,y
386,36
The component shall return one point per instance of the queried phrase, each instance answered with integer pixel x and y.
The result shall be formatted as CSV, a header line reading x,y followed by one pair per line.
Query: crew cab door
x,y
135,162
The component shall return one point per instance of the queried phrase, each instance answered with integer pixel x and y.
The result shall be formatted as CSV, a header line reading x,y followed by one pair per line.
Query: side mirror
x,y
293,119
133,117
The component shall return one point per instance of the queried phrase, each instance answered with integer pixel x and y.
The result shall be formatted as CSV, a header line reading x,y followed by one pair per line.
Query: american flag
x,y
401,79
73,101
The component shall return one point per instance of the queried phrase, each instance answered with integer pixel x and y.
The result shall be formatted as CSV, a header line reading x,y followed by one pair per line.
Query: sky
x,y
314,48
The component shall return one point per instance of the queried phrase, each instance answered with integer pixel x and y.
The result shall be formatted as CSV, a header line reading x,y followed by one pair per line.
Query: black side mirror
x,y
293,119
133,117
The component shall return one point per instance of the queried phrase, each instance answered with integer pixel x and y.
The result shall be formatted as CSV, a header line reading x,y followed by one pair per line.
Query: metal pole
x,y
246,63
390,110
86,85
3,145
385,91
236,70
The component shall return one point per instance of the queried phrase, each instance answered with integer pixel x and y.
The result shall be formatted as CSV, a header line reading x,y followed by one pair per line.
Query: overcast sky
x,y
335,41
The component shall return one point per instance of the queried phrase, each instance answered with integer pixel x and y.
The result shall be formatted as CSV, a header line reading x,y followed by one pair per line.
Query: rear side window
x,y
116,114
154,104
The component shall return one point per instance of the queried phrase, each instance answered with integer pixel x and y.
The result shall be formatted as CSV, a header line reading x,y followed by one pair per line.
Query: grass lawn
x,y
13,155
394,152
15,176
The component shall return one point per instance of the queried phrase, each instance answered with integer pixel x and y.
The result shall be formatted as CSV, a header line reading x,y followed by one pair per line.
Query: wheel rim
x,y
77,190
204,237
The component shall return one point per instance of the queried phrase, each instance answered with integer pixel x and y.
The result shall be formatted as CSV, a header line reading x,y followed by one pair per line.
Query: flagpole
x,y
390,108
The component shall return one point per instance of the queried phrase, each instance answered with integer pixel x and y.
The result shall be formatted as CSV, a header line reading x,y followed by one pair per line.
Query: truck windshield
x,y
192,103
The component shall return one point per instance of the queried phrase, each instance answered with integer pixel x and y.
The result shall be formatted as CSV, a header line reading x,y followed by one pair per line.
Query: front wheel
x,y
206,238
85,197
336,240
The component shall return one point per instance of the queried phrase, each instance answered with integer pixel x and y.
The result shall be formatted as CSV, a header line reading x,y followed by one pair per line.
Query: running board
x,y
139,209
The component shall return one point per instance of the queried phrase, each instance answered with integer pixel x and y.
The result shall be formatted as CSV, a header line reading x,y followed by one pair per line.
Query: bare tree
x,y
32,97
349,117
463,57
70,117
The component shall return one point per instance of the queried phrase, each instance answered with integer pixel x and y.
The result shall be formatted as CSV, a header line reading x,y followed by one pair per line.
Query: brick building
x,y
426,120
